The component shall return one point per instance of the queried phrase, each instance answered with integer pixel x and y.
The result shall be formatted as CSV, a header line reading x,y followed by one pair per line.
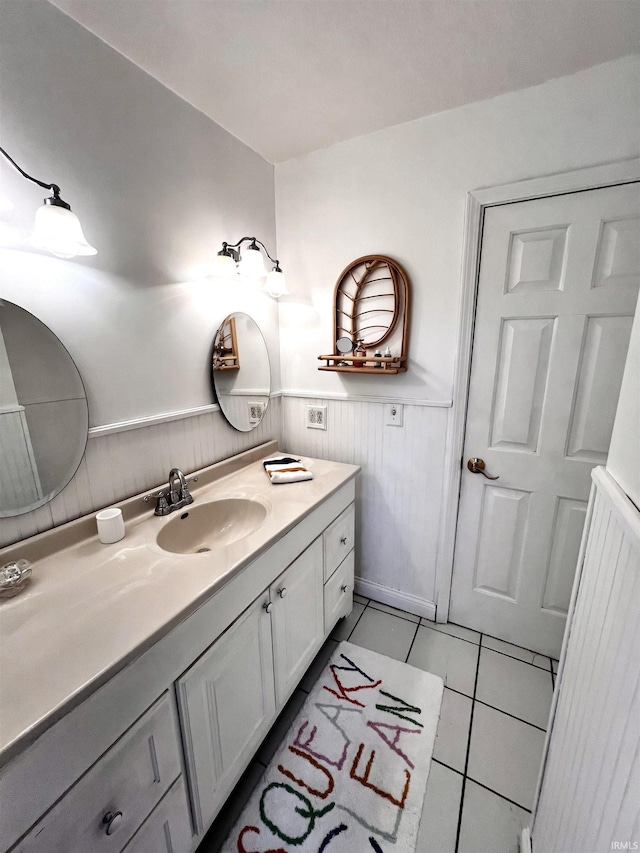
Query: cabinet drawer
x,y
168,827
338,593
338,540
126,783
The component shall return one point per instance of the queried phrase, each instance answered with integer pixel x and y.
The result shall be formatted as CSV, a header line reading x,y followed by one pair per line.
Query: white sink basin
x,y
203,527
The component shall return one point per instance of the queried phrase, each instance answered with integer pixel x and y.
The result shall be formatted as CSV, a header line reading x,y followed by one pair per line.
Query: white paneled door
x,y
557,289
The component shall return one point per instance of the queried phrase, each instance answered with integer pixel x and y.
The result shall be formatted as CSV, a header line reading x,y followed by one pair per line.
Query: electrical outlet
x,y
393,414
316,417
256,412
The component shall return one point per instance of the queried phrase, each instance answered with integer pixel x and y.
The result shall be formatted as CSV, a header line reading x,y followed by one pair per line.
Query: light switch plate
x,y
394,414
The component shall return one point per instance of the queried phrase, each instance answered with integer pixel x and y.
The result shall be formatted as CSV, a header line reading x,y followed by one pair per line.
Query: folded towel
x,y
286,469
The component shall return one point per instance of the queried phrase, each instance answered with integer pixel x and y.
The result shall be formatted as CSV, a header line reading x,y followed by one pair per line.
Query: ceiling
x,y
290,76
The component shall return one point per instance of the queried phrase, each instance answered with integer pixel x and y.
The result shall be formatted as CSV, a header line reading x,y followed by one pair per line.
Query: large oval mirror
x,y
44,418
241,371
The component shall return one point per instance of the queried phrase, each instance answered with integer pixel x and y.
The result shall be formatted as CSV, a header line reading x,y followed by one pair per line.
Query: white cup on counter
x,y
110,525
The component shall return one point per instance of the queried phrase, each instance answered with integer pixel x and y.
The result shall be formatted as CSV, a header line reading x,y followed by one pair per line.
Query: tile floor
x,y
490,736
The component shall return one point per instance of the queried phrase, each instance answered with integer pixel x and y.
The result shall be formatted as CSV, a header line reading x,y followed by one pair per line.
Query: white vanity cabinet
x,y
228,698
145,761
297,615
168,827
107,805
338,593
227,702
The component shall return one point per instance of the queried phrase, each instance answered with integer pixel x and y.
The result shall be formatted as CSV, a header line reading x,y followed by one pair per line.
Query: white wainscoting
x,y
123,462
589,798
399,496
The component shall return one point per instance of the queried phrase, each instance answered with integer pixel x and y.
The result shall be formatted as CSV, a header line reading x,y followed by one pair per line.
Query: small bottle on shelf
x,y
378,364
361,352
387,352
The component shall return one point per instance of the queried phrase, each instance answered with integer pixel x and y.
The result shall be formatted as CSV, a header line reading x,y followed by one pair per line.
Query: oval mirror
x,y
44,417
241,371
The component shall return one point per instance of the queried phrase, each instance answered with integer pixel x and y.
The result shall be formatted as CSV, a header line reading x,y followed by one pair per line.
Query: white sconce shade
x,y
252,264
224,266
276,284
58,231
56,228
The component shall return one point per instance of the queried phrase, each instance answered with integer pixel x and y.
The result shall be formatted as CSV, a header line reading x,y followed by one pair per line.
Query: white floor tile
x,y
515,652
505,754
384,633
439,822
453,630
452,659
386,608
280,727
318,664
345,626
360,598
554,664
453,730
489,823
515,687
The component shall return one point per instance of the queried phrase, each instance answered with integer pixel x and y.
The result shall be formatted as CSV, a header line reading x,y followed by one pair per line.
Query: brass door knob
x,y
476,466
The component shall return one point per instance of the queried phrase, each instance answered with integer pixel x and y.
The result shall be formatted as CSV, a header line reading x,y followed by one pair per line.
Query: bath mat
x,y
351,773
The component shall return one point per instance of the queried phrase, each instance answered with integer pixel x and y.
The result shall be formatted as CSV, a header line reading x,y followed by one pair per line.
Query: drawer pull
x,y
282,592
344,587
343,541
113,821
268,606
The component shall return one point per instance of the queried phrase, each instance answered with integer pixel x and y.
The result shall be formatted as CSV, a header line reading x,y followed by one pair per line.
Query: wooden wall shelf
x,y
357,364
371,306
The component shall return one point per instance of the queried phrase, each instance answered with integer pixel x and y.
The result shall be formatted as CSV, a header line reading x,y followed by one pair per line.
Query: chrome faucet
x,y
177,496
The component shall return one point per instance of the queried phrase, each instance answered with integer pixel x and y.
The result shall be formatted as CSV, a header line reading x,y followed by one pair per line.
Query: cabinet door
x,y
298,619
226,703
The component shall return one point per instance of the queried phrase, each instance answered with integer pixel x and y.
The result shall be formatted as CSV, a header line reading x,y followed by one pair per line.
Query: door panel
x,y
606,342
521,382
537,260
557,288
565,545
618,254
501,534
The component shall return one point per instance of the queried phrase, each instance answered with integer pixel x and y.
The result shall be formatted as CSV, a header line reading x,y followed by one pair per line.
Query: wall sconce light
x,y
230,261
56,229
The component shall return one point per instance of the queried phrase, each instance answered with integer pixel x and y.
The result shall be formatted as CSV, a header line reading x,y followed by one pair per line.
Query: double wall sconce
x,y
56,229
230,261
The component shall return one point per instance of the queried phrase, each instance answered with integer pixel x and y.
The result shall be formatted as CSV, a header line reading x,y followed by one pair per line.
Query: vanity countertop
x,y
92,608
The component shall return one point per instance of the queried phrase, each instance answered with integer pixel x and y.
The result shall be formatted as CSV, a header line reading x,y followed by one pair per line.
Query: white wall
x,y
402,192
157,187
624,452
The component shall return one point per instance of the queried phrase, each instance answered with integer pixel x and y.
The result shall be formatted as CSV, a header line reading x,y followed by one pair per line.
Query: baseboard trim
x,y
395,598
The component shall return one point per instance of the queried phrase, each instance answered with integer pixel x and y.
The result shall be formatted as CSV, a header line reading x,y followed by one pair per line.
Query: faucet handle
x,y
162,505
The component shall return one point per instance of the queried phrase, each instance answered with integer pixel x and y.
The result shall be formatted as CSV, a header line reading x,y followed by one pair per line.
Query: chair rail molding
x,y
607,174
